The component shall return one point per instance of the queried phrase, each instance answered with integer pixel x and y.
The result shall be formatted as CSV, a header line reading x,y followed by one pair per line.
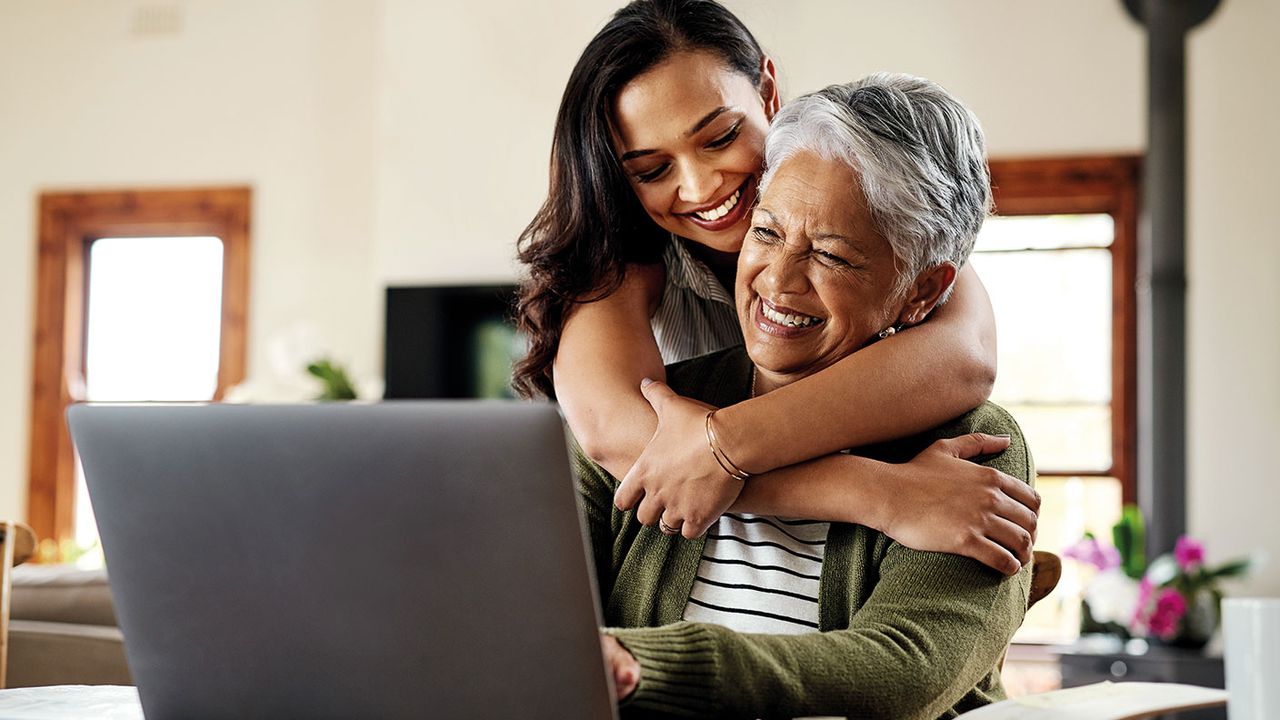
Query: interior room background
x,y
405,142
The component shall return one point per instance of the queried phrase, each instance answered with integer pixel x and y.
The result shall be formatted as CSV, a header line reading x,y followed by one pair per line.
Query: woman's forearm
x,y
606,348
835,488
906,384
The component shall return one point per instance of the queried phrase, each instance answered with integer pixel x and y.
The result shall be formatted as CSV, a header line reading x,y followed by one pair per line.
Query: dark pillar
x,y
1162,276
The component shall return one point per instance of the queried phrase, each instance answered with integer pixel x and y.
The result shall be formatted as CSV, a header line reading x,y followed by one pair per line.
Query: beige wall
x,y
277,95
406,141
1234,308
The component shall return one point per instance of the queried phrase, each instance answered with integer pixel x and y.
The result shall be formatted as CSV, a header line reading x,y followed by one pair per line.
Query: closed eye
x,y
651,175
831,258
726,139
764,234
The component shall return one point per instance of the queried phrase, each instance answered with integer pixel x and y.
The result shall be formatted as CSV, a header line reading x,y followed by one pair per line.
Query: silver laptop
x,y
397,560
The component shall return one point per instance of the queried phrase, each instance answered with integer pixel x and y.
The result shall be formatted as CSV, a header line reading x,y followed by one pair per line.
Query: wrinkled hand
x,y
943,502
676,479
622,665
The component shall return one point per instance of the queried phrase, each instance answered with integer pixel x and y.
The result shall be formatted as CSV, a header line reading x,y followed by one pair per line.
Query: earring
x,y
891,330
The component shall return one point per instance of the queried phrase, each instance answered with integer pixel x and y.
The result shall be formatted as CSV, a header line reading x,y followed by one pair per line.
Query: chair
x,y
17,544
1046,571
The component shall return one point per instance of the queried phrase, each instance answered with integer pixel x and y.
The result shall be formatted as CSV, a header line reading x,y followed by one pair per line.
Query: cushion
x,y
43,653
61,593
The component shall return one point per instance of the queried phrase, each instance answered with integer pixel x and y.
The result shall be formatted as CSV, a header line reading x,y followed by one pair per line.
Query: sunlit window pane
x,y
154,319
1053,312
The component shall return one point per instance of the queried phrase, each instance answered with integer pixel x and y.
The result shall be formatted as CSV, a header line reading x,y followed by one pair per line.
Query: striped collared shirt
x,y
696,316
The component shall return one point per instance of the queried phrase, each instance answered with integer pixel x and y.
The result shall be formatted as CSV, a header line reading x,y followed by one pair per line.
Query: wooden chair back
x,y
1046,571
17,544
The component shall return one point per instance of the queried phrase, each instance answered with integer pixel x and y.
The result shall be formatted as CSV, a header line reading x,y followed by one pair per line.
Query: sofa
x,y
62,629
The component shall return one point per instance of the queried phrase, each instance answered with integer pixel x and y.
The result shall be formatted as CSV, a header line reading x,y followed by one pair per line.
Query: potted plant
x,y
1176,599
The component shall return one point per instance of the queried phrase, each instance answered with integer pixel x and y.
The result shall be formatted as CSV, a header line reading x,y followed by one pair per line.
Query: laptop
x,y
393,560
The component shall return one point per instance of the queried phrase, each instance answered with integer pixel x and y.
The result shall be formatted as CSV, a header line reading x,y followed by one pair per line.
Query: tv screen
x,y
450,342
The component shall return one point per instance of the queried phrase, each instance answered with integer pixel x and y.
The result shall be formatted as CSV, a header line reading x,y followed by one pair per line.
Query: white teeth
x,y
788,320
717,213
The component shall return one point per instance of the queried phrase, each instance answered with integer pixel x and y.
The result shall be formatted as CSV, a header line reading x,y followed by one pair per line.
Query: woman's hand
x,y
676,480
622,665
943,502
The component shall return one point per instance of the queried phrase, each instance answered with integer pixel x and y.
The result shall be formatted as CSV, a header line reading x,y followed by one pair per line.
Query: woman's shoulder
x,y
992,419
987,418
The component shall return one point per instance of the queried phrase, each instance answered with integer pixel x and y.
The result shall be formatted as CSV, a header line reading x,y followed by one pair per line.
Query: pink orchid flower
x,y
1189,553
1170,607
1091,552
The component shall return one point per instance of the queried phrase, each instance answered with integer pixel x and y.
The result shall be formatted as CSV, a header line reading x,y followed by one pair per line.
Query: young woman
x,y
657,150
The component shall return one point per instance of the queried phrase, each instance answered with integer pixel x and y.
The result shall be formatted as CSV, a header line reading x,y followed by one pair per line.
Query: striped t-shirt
x,y
760,574
696,315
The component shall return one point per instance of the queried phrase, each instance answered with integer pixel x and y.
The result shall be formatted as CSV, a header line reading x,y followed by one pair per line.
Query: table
x,y
71,702
1087,663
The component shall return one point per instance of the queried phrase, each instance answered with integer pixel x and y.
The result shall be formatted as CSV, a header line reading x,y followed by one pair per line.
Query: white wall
x,y
467,94
277,95
1234,293
405,141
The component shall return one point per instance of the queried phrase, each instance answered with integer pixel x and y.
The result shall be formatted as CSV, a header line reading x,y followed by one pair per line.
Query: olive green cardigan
x,y
904,634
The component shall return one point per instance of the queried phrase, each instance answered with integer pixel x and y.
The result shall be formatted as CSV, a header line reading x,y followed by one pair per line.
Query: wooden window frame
x,y
69,223
1093,184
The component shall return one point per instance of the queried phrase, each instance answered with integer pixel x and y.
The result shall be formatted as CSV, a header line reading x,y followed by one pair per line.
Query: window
x,y
1058,261
141,296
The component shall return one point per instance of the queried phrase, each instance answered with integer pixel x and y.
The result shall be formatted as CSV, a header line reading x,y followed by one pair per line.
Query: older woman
x,y
874,194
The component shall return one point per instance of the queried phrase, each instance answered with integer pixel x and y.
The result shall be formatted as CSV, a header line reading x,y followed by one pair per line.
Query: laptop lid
x,y
396,560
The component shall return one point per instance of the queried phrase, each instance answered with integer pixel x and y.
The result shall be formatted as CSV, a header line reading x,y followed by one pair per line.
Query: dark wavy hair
x,y
592,224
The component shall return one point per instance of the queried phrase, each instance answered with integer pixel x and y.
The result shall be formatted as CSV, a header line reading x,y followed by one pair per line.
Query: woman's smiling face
x,y
815,277
690,135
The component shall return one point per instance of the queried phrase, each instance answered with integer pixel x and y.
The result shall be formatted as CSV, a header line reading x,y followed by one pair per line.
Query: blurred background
x,y
355,147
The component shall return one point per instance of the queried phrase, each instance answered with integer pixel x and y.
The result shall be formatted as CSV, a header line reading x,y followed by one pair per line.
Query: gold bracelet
x,y
726,464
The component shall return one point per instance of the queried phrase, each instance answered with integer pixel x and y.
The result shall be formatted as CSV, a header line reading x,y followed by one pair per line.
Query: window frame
x,y
1064,185
69,223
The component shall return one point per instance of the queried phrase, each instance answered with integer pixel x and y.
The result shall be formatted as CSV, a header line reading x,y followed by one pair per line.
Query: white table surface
x,y
71,702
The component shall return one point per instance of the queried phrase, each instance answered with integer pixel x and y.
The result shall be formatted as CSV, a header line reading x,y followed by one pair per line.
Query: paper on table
x,y
1103,701
71,702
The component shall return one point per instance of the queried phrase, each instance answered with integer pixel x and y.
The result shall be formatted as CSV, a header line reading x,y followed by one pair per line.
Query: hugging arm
x,y
903,385
608,346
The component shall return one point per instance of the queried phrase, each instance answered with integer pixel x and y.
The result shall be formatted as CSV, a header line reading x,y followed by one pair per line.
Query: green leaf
x,y
333,378
1129,536
1231,569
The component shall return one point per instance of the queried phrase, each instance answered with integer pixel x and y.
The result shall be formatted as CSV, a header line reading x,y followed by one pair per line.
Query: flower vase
x,y
1200,622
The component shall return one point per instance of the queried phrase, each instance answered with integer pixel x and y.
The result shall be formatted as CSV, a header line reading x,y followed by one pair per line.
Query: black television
x,y
455,341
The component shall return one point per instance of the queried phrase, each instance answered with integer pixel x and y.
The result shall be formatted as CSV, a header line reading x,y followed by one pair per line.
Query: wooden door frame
x,y
1093,184
69,223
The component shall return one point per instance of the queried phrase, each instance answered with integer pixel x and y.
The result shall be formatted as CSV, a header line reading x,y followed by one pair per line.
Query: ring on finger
x,y
668,529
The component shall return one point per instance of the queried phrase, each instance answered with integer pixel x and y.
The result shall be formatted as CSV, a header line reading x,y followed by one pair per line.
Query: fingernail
x,y
646,382
1006,437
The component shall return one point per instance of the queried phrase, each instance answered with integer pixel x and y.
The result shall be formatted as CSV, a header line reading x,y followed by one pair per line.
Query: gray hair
x,y
918,153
